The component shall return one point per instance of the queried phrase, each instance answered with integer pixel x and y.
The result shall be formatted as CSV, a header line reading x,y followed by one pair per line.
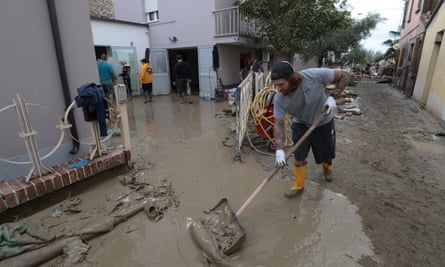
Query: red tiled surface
x,y
17,191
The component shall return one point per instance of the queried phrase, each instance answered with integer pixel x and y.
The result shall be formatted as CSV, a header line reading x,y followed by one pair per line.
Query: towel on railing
x,y
92,99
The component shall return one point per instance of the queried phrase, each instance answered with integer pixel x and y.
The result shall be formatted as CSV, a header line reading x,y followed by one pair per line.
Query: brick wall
x,y
16,192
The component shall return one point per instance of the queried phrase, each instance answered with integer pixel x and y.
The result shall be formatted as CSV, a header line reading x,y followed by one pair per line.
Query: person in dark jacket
x,y
182,76
125,74
255,66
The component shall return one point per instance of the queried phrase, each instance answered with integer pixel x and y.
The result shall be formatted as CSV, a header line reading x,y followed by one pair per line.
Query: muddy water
x,y
183,143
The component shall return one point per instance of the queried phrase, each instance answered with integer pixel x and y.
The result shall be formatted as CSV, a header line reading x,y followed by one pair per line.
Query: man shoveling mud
x,y
301,95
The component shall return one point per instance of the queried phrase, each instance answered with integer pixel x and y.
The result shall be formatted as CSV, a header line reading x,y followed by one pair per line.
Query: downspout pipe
x,y
62,72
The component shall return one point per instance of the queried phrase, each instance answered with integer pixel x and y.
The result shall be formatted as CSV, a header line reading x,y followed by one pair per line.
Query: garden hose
x,y
261,111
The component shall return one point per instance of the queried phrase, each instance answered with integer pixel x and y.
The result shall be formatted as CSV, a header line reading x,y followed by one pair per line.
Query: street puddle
x,y
432,149
322,228
337,238
428,147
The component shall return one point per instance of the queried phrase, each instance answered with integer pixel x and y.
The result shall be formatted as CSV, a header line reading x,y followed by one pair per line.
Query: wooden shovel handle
x,y
288,155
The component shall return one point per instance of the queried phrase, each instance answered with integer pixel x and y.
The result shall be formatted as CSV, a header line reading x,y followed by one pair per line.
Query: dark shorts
x,y
321,140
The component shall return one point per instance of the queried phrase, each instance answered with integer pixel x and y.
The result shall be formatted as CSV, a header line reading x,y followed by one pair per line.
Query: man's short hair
x,y
178,56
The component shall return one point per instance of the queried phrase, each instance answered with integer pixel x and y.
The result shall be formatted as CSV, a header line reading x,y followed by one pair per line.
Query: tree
x,y
342,40
392,44
308,27
356,56
289,25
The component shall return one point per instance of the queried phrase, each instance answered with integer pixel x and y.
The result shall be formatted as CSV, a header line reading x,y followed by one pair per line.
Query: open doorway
x,y
115,55
189,55
102,50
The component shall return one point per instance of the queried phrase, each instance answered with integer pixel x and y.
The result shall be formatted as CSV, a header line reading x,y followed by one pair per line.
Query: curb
x,y
16,192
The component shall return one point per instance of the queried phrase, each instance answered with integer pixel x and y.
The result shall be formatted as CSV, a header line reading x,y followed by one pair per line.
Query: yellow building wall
x,y
430,82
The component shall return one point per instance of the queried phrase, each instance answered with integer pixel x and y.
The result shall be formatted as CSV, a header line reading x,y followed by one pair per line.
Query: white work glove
x,y
330,104
280,158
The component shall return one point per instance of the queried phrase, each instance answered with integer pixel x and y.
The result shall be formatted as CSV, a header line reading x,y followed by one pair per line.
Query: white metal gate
x,y
161,71
207,75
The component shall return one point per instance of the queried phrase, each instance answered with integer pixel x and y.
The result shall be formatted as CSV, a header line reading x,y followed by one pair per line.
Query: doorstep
x,y
17,191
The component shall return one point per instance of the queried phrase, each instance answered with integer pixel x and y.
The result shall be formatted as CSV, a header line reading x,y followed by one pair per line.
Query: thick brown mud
x,y
385,206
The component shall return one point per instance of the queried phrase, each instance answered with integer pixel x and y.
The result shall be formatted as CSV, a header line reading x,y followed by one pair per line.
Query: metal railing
x,y
118,117
254,82
235,21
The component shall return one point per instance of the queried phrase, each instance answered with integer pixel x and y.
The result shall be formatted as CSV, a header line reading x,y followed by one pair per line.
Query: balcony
x,y
233,21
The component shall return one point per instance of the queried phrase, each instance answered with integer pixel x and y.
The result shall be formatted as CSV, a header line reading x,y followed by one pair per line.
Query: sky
x,y
392,10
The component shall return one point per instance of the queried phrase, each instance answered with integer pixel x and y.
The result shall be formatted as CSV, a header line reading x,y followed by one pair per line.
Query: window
x,y
151,10
152,16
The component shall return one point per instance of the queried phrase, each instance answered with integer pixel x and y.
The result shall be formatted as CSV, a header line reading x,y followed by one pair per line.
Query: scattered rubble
x,y
71,225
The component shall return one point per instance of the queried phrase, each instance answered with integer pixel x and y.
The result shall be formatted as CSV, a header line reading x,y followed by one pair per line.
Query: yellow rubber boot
x,y
300,176
327,171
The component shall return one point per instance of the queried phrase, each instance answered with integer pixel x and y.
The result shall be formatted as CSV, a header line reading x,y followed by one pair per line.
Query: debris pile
x,y
347,102
72,223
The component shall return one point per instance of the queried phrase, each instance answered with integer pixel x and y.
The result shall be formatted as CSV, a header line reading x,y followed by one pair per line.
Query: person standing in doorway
x,y
107,75
146,78
125,74
182,77
254,65
302,95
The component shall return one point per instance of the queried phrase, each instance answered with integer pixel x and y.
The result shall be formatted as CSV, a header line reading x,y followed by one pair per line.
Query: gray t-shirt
x,y
306,103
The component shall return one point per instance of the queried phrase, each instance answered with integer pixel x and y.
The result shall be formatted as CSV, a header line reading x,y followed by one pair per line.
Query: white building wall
x,y
229,71
27,44
151,5
129,10
190,27
430,79
107,33
29,68
220,4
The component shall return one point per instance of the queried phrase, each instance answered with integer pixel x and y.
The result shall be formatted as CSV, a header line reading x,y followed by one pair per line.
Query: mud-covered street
x,y
393,170
385,206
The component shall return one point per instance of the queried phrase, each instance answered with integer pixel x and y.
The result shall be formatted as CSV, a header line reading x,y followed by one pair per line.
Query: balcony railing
x,y
234,21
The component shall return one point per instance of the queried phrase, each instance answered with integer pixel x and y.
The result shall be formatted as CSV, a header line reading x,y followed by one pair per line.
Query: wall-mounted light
x,y
173,38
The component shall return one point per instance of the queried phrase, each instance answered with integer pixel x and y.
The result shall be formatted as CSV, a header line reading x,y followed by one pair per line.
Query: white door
x,y
129,55
161,76
207,75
